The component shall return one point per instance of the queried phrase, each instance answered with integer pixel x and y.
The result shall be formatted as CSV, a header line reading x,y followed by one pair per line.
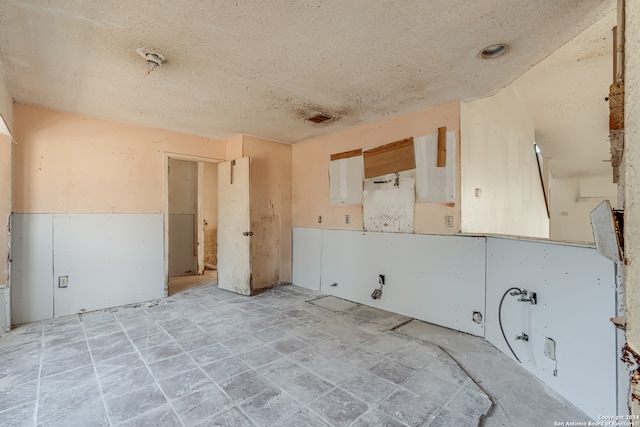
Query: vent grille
x,y
319,118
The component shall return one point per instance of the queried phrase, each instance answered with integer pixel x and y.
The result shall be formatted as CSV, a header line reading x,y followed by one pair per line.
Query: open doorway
x,y
192,206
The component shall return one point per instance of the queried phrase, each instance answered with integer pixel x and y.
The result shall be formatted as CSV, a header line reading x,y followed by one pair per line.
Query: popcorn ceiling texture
x,y
261,68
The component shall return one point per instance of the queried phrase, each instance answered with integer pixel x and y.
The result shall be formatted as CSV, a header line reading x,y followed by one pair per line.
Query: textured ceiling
x,y
261,67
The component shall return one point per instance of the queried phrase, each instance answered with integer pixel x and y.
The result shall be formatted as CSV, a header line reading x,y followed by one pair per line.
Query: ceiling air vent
x,y
318,118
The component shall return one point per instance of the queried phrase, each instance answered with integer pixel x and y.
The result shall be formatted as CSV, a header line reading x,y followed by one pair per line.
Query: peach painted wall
x,y
311,171
67,163
5,205
270,211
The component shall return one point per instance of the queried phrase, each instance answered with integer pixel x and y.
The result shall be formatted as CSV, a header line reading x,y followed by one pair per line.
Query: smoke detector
x,y
154,59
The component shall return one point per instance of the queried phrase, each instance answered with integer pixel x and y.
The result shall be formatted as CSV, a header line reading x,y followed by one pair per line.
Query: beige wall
x,y
67,163
270,211
497,157
6,102
571,203
5,205
311,171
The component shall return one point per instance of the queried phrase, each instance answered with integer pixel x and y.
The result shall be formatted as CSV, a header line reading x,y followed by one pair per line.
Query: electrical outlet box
x,y
448,221
550,348
63,281
347,219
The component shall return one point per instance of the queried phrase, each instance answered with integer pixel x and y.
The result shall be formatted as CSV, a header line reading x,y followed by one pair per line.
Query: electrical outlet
x,y
63,281
448,221
319,219
347,219
550,348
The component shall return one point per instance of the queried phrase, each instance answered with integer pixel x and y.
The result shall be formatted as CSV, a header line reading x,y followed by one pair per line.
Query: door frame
x,y
199,160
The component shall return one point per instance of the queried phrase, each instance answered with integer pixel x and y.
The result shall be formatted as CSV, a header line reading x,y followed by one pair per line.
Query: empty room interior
x,y
321,213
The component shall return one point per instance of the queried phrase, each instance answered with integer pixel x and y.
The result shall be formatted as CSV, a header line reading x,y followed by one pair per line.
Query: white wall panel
x,y
5,320
438,279
433,183
307,257
576,297
345,181
111,260
32,268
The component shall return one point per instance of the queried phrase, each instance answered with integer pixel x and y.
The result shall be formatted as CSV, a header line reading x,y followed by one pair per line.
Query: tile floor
x,y
212,358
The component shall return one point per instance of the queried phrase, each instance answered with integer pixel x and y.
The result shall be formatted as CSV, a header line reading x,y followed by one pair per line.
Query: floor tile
x,y
241,344
162,416
392,371
281,370
108,339
226,368
279,354
88,414
172,366
412,357
409,408
470,403
195,341
20,416
230,418
124,406
385,344
378,418
126,381
65,401
67,363
161,352
201,405
66,380
306,387
15,373
270,334
334,371
339,407
302,418
447,369
260,356
269,407
446,419
64,350
126,362
246,385
115,349
152,340
288,345
185,383
206,355
55,338
368,387
432,388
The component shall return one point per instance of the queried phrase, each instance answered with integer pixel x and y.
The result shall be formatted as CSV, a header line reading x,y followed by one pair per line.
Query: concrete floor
x,y
287,357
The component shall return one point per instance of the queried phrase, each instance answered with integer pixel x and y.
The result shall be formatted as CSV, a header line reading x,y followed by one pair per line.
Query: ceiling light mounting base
x,y
154,59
